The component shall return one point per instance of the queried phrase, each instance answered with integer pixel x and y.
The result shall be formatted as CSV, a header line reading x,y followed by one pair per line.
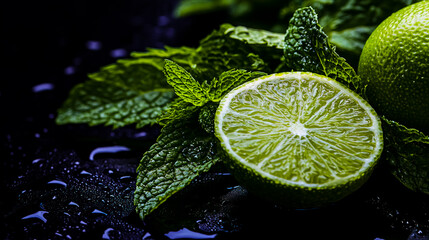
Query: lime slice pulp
x,y
299,138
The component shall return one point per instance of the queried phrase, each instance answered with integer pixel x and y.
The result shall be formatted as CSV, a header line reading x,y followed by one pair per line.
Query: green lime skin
x,y
294,197
395,64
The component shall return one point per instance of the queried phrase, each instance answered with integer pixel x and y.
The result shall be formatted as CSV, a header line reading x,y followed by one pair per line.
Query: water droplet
x,y
58,182
83,172
125,178
93,45
43,87
37,160
73,204
70,70
96,211
186,233
117,53
106,233
109,149
163,21
140,134
146,236
37,215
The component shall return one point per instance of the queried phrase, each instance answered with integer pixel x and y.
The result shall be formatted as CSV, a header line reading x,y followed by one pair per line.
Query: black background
x,y
50,42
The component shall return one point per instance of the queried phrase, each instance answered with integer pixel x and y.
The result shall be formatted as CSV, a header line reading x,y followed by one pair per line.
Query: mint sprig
x,y
185,86
187,145
307,48
181,153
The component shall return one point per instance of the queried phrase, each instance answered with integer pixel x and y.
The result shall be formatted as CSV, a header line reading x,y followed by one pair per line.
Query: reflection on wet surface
x,y
109,149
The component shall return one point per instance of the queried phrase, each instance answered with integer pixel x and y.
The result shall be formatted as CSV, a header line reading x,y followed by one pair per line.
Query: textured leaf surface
x,y
348,23
185,86
407,151
225,49
178,109
181,55
229,80
96,103
191,7
131,91
256,37
182,152
207,115
307,48
128,92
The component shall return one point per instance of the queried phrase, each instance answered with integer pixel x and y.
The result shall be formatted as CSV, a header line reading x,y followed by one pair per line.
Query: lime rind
x,y
361,172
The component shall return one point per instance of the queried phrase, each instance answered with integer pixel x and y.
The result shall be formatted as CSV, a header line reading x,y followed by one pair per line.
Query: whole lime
x,y
395,64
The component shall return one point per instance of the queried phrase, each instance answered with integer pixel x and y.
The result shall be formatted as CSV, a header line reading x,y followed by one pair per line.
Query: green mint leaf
x,y
207,115
178,109
181,55
132,91
407,152
229,80
185,86
96,103
232,47
190,7
181,153
255,37
307,48
351,39
349,23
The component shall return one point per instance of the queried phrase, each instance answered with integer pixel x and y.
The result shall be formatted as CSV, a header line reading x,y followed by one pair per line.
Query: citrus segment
x,y
299,130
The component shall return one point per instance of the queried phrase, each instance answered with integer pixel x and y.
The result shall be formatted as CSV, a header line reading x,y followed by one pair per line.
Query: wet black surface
x,y
58,184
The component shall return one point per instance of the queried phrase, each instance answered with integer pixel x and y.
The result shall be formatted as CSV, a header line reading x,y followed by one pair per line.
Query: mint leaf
x,y
231,47
129,92
181,153
182,55
407,152
207,115
95,103
351,39
229,80
255,37
136,74
184,106
191,7
307,48
348,23
178,109
185,86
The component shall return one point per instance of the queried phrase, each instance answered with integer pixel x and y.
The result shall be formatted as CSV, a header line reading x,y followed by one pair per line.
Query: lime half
x,y
298,138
